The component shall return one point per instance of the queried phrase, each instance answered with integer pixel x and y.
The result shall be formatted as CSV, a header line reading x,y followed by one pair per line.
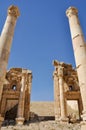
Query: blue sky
x,y
41,35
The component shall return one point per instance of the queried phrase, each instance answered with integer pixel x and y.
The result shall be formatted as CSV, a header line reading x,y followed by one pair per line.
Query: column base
x,y
84,116
57,119
64,120
20,121
83,125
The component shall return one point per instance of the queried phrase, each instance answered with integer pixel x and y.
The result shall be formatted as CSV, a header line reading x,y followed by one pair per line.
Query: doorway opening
x,y
12,113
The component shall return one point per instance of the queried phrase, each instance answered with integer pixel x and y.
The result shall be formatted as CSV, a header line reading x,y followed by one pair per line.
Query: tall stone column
x,y
5,45
5,42
79,47
20,112
62,97
56,96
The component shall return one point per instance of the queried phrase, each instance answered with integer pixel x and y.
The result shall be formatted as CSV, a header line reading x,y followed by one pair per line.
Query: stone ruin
x,y
69,84
15,103
66,87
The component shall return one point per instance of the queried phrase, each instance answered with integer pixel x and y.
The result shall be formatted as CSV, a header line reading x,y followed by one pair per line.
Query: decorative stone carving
x,y
66,81
79,48
71,11
14,11
16,94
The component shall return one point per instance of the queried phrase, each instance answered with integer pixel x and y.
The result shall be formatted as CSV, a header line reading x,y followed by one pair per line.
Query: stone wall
x,y
47,108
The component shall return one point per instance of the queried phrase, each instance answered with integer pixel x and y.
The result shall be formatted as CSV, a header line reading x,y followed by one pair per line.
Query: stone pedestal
x,y
79,47
19,121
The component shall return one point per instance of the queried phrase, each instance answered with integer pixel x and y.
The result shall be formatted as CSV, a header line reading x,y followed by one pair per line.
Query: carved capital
x,y
60,71
55,63
71,11
30,78
13,11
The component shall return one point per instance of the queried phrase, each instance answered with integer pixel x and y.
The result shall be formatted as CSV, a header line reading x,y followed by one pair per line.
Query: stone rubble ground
x,y
44,125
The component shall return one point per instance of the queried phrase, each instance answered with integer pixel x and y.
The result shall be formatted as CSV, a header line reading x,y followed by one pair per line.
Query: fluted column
x,y
20,112
62,97
79,47
56,96
5,42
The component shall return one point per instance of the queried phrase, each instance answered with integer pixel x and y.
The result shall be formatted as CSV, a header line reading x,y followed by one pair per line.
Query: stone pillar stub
x,y
5,42
79,48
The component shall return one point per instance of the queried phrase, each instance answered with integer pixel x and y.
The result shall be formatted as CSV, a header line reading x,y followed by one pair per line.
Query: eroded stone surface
x,y
15,103
66,87
48,125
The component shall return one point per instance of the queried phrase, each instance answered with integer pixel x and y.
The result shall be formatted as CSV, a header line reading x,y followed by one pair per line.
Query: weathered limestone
x,y
22,105
56,97
5,42
62,97
79,47
16,95
20,113
65,88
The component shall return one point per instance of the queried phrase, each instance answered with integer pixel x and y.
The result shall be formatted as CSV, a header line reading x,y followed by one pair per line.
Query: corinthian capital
x,y
13,11
71,11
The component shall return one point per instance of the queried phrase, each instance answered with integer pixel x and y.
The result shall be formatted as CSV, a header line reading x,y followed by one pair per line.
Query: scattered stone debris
x,y
44,125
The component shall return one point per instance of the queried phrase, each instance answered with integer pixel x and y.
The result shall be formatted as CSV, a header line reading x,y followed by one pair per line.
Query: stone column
x,y
62,97
79,47
29,89
5,42
56,96
27,95
20,112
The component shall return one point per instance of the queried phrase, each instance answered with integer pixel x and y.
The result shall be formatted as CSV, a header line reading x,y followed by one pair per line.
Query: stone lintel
x,y
13,11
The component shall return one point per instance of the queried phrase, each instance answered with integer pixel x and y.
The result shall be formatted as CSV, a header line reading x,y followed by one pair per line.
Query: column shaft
x,y
63,117
20,112
5,42
62,99
79,47
56,97
27,96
